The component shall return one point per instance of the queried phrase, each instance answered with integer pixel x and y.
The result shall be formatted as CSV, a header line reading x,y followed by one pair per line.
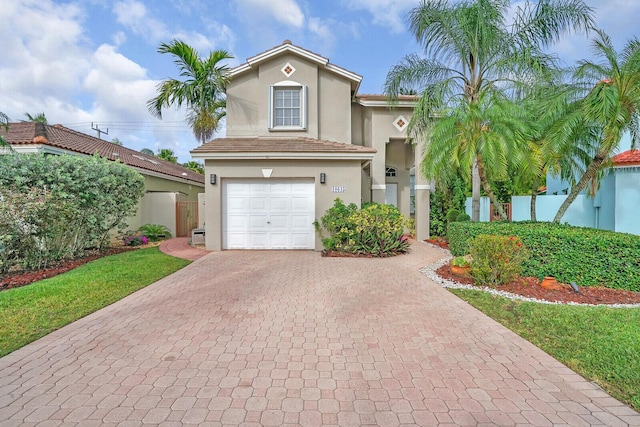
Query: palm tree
x,y
194,166
39,117
202,90
608,105
475,62
4,122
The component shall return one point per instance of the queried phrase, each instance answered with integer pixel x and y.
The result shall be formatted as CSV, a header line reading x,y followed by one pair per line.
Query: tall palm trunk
x,y
534,195
475,193
588,176
487,188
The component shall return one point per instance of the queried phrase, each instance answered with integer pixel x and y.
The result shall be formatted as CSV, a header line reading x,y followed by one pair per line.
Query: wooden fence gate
x,y
495,216
186,218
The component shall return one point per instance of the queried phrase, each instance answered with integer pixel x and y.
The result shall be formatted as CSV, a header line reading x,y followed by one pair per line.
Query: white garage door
x,y
268,214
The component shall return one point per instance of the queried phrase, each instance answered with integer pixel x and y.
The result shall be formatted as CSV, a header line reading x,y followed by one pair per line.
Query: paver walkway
x,y
179,247
287,337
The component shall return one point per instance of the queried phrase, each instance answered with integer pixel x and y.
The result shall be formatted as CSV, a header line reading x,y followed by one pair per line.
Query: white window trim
x,y
303,106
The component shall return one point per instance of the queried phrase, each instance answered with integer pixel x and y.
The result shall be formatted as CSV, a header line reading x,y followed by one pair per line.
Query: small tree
x,y
168,155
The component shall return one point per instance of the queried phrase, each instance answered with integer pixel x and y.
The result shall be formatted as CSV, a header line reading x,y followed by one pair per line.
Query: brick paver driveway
x,y
273,338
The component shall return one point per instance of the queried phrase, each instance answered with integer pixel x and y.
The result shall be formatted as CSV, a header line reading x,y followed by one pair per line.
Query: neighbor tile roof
x,y
29,133
279,145
627,158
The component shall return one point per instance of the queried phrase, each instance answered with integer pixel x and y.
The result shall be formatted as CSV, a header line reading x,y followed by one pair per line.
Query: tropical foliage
x,y
168,155
375,230
201,89
478,62
4,124
53,207
155,232
586,256
194,166
595,110
39,117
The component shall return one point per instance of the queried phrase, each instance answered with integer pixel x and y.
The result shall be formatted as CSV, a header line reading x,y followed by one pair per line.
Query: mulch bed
x,y
530,287
22,278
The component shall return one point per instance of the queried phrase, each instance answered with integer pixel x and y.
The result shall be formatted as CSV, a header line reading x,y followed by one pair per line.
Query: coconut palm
x,y
608,105
201,90
474,55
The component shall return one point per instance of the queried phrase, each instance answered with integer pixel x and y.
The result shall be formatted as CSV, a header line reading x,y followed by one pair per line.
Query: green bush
x,y
587,256
155,232
57,206
496,259
375,230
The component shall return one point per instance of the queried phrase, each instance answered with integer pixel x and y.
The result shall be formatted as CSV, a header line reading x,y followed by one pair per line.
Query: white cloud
x,y
388,13
133,15
286,12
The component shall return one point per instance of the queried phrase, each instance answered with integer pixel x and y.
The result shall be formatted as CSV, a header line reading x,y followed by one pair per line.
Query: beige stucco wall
x,y
344,173
155,206
328,104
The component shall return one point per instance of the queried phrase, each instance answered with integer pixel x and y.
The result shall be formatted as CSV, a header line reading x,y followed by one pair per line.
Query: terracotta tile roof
x,y
29,133
627,158
280,145
378,97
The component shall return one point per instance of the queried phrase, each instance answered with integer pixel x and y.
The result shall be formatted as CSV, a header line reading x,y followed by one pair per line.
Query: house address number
x,y
338,189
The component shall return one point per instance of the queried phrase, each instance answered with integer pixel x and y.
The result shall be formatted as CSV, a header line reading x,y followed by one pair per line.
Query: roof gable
x,y
288,47
65,139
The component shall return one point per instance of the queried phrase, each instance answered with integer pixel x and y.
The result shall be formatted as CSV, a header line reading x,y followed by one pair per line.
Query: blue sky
x,y
96,60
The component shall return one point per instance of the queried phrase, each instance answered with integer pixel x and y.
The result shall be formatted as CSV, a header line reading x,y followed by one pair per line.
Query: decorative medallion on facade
x,y
288,70
401,123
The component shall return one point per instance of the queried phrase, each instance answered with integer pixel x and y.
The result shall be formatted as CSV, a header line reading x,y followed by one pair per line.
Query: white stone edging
x,y
430,272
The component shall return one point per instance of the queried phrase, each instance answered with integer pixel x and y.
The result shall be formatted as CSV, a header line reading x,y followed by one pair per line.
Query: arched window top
x,y
391,171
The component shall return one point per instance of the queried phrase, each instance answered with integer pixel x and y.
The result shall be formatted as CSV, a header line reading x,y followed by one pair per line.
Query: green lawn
x,y
30,312
601,344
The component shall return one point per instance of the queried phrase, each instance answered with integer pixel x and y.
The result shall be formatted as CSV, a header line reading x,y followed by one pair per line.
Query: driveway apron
x,y
289,337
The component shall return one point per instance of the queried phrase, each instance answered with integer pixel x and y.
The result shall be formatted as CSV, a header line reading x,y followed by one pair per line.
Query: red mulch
x,y
530,287
439,241
22,278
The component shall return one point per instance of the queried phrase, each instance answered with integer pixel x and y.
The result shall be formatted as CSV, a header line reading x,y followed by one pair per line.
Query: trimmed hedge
x,y
587,256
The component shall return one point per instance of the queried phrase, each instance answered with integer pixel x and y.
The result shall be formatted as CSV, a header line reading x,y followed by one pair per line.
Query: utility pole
x,y
97,129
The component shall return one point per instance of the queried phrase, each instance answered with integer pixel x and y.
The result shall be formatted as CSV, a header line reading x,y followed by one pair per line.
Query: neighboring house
x,y
299,136
166,183
614,207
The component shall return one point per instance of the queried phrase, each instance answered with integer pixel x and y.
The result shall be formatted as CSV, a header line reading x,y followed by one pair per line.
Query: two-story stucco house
x,y
299,136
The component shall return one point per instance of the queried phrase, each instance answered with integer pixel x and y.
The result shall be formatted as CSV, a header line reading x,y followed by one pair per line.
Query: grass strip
x,y
33,311
602,344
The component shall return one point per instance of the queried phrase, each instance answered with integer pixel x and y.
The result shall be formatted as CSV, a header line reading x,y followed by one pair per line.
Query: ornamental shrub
x,y
375,230
134,240
496,259
155,232
73,204
587,256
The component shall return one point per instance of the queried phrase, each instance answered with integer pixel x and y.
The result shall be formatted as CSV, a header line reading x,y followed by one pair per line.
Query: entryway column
x,y
422,194
378,177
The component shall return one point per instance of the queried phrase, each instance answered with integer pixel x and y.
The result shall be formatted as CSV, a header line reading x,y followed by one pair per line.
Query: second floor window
x,y
287,108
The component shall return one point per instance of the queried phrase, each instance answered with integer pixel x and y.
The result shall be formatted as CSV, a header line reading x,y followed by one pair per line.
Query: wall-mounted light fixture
x,y
213,178
323,177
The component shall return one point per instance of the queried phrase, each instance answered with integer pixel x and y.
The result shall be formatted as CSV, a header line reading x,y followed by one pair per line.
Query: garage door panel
x,y
280,240
268,214
258,204
300,241
300,222
279,222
